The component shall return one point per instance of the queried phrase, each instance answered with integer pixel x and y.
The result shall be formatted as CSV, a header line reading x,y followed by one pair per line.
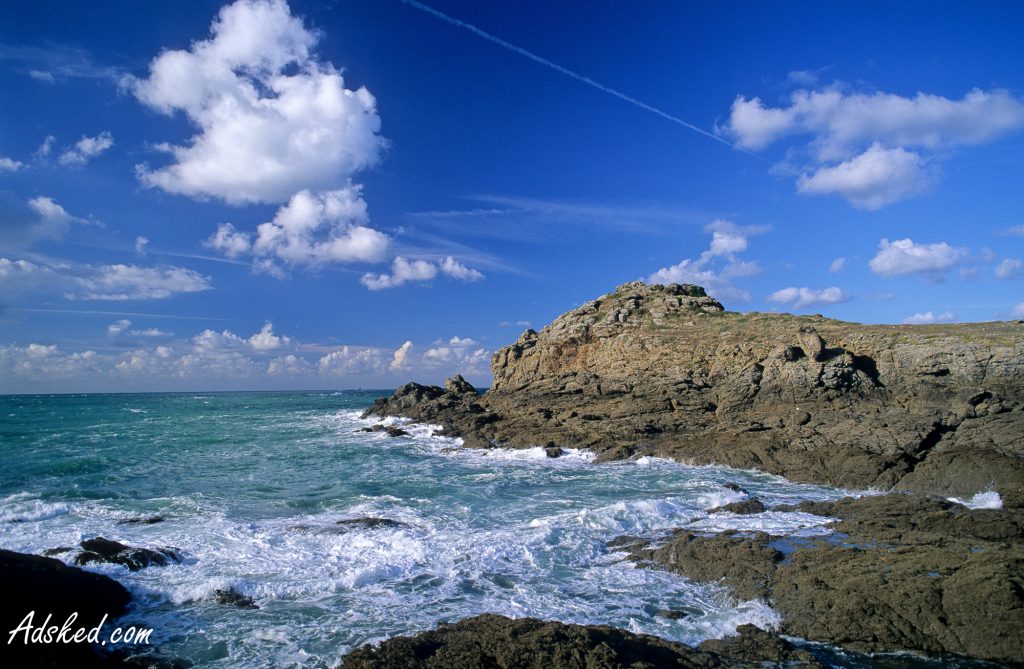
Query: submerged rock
x,y
149,520
746,506
231,597
491,641
105,550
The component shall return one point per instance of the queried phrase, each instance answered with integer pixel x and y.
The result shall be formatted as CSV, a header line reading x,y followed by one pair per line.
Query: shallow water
x,y
252,485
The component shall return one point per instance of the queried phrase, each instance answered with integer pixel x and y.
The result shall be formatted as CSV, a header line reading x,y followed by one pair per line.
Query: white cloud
x,y
868,148
131,282
140,245
150,332
1018,310
118,327
354,360
289,365
86,149
404,270
928,318
517,324
272,118
1015,231
54,221
841,121
837,265
903,256
46,148
10,165
1010,268
311,230
457,270
99,282
803,77
799,298
875,178
398,360
718,266
266,340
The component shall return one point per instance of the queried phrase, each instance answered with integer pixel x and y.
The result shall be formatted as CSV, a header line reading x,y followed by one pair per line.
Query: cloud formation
x,y
404,271
1010,268
717,267
272,118
86,149
99,282
10,165
928,317
800,298
873,148
903,256
312,230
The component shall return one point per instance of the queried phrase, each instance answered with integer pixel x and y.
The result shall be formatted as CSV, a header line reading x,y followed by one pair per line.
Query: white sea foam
x,y
983,500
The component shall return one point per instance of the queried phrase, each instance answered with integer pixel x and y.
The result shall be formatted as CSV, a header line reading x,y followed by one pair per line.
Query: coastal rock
x,y
495,642
231,597
664,370
49,587
105,550
743,507
902,573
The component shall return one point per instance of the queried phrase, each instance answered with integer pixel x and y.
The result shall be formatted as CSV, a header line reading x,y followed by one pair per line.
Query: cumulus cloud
x,y
266,340
404,270
272,118
150,332
10,165
799,298
517,324
928,317
313,229
867,147
23,223
46,361
903,256
837,265
717,267
871,180
1010,268
261,342
1018,310
86,149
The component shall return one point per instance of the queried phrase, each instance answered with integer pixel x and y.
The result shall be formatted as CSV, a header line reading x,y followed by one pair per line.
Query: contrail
x,y
564,70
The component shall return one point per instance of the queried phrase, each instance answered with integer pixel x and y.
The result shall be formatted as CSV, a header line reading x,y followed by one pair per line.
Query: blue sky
x,y
265,195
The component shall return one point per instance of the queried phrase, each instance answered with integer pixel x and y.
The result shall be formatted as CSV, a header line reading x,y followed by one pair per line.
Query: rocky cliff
x,y
665,370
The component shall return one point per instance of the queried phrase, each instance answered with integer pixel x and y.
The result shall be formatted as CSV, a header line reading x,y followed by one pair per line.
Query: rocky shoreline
x,y
919,411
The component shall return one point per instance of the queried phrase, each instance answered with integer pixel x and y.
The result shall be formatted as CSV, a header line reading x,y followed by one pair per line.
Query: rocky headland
x,y
925,412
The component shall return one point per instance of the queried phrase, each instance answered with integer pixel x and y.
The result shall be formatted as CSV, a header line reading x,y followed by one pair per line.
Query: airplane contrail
x,y
564,70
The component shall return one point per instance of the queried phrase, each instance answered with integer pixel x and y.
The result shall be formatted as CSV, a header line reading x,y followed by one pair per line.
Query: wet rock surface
x,y
900,573
496,642
106,550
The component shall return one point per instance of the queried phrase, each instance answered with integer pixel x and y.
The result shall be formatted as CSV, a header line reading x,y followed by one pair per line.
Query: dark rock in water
x,y
553,451
679,614
747,506
59,550
232,597
149,520
46,586
105,550
369,523
391,430
735,488
365,429
491,641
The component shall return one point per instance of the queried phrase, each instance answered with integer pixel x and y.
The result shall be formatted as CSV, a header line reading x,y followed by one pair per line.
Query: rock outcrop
x,y
665,370
495,642
902,573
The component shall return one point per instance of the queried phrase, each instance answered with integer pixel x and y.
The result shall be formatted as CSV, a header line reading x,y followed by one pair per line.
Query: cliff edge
x,y
667,371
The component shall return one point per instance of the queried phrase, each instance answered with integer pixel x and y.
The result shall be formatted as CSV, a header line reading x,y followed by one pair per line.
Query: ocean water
x,y
252,485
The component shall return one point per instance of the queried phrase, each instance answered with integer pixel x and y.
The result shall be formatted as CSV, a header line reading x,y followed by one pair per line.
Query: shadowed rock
x,y
743,507
231,597
105,550
495,642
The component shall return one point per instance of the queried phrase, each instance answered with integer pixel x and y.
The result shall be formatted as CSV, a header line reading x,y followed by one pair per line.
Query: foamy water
x,y
252,486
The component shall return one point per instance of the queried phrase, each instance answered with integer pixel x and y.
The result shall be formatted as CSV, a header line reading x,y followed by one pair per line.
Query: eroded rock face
x,y
105,550
902,573
495,642
664,370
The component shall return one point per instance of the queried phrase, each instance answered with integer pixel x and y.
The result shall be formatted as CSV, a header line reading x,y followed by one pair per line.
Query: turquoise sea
x,y
251,486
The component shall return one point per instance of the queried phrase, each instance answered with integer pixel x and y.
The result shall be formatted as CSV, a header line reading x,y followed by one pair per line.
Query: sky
x,y
326,195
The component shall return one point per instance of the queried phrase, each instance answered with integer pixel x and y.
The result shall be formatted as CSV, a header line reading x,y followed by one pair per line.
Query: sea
x,y
251,486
